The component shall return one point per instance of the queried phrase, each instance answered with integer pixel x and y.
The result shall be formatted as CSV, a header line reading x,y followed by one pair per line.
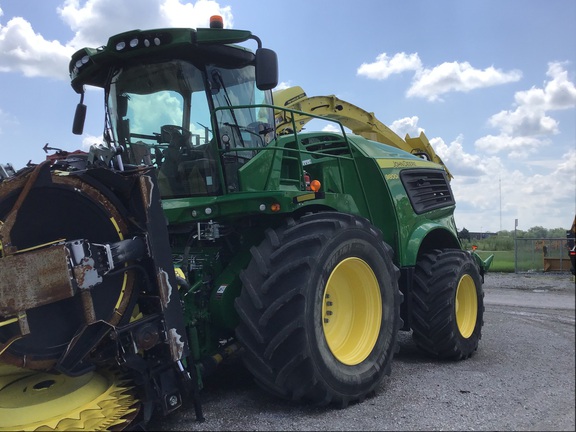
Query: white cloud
x,y
527,127
558,93
462,164
94,21
86,19
196,15
331,128
90,140
385,66
431,83
489,188
457,77
526,120
518,147
22,50
406,125
495,191
283,85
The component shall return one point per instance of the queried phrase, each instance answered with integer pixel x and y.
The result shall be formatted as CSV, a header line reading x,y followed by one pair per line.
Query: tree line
x,y
504,240
534,232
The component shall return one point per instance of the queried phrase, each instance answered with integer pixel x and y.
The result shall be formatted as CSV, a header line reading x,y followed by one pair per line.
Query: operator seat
x,y
178,139
186,170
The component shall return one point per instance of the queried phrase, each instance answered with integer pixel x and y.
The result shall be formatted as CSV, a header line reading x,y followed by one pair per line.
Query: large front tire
x,y
448,304
320,310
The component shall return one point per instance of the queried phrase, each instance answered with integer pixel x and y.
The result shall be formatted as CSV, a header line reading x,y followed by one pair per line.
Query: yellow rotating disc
x,y
42,401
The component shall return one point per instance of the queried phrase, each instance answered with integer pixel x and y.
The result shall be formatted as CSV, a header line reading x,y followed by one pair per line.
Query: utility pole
x,y
515,247
500,190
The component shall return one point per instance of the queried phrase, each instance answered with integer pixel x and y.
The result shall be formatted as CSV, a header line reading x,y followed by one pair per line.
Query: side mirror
x,y
266,69
79,119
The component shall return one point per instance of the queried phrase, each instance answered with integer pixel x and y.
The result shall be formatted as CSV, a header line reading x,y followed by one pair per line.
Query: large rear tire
x,y
448,304
320,309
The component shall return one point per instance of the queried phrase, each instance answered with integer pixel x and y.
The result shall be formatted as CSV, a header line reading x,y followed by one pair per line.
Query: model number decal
x,y
401,163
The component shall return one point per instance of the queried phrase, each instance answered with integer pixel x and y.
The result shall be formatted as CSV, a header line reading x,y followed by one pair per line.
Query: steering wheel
x,y
176,136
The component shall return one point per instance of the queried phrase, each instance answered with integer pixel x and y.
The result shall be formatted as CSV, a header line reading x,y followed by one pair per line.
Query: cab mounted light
x,y
216,22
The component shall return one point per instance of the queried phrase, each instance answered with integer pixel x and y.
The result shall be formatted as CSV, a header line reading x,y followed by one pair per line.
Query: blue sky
x,y
490,82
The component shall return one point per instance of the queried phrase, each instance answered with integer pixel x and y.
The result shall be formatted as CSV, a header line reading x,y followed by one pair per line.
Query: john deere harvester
x,y
209,224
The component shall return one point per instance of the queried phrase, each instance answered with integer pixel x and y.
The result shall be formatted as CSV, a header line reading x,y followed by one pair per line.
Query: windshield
x,y
160,114
242,131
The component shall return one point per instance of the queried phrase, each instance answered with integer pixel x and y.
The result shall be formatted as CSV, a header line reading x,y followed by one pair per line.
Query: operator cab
x,y
183,101
160,113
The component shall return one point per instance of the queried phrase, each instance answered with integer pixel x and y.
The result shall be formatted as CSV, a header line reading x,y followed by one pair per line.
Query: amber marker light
x,y
275,207
315,185
216,21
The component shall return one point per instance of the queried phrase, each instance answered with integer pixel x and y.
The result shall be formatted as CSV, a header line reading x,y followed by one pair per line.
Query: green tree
x,y
557,232
464,234
537,232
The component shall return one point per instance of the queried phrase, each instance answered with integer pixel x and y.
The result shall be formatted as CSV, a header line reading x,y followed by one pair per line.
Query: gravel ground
x,y
557,281
521,378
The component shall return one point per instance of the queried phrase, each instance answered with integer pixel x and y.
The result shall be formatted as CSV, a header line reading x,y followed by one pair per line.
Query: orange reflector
x,y
275,207
315,185
216,21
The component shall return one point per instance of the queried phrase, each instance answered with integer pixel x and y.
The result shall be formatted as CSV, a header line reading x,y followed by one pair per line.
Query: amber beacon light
x,y
216,21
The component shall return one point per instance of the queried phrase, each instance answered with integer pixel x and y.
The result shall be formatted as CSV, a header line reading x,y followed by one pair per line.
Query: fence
x,y
541,254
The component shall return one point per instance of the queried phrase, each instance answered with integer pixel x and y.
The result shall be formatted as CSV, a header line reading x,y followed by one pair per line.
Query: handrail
x,y
301,148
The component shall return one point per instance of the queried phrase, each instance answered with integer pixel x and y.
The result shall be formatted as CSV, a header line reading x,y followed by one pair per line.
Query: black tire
x,y
286,327
448,304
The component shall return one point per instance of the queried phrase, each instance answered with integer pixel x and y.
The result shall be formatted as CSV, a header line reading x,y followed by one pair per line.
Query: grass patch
x,y
504,262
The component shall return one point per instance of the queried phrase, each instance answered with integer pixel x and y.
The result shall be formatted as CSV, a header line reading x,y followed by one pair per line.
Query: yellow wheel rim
x,y
41,401
466,306
352,311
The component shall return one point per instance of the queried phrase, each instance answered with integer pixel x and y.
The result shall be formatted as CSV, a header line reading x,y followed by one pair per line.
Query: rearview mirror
x,y
79,119
266,69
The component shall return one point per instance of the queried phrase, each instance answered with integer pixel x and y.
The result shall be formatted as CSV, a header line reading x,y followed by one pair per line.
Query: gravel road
x,y
521,378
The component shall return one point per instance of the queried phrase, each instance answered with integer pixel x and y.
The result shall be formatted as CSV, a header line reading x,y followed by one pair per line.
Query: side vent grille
x,y
326,144
427,189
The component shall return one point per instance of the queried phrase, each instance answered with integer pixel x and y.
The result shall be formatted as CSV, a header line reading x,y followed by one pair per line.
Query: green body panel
x,y
388,203
227,288
367,182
